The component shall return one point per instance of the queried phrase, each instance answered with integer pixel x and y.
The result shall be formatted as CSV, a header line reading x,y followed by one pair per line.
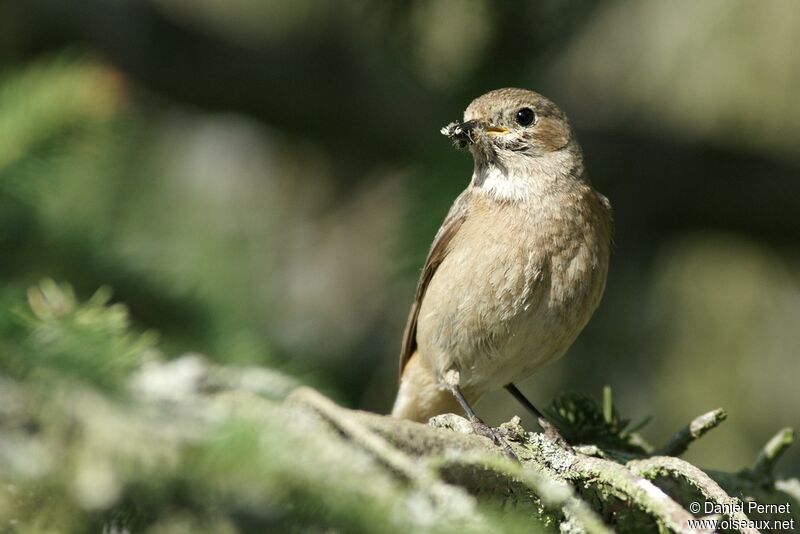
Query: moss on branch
x,y
144,444
576,491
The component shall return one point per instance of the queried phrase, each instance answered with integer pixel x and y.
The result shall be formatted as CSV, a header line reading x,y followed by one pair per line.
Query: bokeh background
x,y
259,182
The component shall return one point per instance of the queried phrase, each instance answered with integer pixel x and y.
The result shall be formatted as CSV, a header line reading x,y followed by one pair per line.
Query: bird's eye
x,y
525,116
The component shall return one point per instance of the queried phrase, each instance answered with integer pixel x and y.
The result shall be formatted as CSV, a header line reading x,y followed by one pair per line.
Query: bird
x,y
516,269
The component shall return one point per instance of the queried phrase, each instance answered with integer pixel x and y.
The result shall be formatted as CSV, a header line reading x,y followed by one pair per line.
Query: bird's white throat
x,y
496,183
534,176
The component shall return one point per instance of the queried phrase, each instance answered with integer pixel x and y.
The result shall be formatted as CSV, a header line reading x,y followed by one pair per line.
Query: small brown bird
x,y
516,269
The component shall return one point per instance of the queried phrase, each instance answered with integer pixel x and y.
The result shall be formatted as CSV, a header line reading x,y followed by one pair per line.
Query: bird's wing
x,y
441,246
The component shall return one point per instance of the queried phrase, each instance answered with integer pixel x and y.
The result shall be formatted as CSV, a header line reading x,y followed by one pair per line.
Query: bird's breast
x,y
517,285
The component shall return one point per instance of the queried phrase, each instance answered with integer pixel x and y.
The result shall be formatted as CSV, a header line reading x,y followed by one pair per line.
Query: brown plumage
x,y
518,266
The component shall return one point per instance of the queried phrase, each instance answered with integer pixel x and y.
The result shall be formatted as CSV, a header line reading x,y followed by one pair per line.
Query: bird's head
x,y
509,126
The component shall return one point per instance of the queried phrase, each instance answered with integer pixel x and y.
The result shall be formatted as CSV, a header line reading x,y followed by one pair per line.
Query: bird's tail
x,y
420,397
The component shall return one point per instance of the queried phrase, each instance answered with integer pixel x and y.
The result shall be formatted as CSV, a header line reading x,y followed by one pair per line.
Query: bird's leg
x,y
452,379
548,427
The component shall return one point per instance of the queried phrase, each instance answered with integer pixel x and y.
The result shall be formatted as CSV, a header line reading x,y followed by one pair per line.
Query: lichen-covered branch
x,y
581,492
691,432
195,433
772,451
659,467
103,435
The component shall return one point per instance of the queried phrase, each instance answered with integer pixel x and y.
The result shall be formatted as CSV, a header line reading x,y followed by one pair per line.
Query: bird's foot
x,y
552,432
496,435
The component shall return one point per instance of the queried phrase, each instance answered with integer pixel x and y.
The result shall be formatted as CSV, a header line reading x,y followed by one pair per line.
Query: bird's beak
x,y
466,133
495,131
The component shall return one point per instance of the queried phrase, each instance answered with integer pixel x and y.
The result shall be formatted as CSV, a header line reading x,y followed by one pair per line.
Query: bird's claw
x,y
497,436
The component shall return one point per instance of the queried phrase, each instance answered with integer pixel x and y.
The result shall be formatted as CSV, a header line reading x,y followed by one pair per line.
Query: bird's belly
x,y
498,317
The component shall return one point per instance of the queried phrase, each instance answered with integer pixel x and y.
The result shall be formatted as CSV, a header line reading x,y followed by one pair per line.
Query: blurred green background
x,y
260,181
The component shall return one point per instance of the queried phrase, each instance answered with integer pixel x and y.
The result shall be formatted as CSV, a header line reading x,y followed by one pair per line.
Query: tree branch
x,y
772,451
691,432
451,449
